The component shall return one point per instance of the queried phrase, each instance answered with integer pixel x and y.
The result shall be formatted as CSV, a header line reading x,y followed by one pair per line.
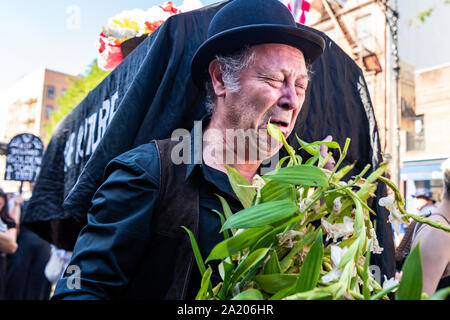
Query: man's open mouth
x,y
283,125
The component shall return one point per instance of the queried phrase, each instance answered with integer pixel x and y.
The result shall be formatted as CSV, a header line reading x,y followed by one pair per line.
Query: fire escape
x,y
360,54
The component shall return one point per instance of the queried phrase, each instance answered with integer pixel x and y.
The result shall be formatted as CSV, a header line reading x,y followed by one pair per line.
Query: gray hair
x,y
231,67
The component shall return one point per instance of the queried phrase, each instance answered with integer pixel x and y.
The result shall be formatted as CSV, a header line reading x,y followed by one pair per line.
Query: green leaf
x,y
250,294
350,254
304,175
310,271
304,241
266,240
197,254
346,275
342,172
205,285
411,283
276,133
226,269
384,292
365,277
244,194
329,144
236,243
312,149
273,264
358,203
222,221
261,215
280,163
440,294
283,293
275,190
226,208
251,260
311,161
273,283
319,293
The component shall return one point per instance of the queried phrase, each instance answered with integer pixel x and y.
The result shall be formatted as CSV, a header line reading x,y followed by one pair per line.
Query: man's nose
x,y
289,99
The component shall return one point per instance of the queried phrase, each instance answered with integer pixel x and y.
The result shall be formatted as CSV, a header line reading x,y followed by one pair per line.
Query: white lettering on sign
x,y
83,141
23,157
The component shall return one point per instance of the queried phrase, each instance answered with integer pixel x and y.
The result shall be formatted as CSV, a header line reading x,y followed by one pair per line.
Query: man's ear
x,y
216,78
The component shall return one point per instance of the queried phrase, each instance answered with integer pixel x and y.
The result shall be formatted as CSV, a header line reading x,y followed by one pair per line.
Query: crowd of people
x,y
26,271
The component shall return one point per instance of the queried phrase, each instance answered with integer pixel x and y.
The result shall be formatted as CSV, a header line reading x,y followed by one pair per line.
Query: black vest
x,y
165,270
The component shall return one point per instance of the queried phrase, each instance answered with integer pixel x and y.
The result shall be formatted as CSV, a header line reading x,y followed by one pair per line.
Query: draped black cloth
x,y
150,94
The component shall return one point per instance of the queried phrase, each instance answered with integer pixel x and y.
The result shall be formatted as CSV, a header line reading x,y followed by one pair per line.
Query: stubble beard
x,y
248,144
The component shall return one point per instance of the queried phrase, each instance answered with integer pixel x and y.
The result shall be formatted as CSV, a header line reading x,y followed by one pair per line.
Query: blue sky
x,y
44,34
37,33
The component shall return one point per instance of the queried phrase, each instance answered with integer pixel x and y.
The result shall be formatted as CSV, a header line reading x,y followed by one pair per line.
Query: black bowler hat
x,y
243,23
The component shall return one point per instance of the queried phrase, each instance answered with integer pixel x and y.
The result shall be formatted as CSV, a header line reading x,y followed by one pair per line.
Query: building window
x,y
364,32
51,92
48,112
415,140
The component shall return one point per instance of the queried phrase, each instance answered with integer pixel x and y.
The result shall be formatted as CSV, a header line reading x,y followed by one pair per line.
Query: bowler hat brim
x,y
233,40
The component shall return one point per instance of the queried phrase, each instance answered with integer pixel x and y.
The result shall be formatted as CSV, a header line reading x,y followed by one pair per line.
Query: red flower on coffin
x,y
152,26
170,8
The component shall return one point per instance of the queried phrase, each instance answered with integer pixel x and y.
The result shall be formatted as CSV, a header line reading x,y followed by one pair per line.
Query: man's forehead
x,y
279,57
277,49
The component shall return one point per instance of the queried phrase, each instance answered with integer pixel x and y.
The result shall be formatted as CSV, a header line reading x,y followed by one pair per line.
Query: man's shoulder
x,y
143,158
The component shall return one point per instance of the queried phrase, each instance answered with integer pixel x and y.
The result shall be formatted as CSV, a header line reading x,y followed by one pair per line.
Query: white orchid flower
x,y
257,182
389,283
338,230
332,275
387,202
336,255
395,216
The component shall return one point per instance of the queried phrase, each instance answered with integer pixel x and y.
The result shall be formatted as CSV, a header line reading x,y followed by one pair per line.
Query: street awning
x,y
425,170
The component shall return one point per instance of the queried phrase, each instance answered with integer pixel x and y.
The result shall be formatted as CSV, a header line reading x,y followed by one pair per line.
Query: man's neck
x,y
217,154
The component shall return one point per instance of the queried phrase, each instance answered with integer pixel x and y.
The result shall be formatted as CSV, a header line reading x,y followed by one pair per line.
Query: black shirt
x,y
116,235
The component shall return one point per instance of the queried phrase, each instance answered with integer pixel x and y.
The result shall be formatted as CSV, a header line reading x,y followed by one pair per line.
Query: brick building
x,y
425,121
25,108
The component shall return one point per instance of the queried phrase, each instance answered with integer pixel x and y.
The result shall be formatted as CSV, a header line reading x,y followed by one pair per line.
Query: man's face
x,y
272,88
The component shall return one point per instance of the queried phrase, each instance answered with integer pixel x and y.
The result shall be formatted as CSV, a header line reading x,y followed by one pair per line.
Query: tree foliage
x,y
422,16
78,90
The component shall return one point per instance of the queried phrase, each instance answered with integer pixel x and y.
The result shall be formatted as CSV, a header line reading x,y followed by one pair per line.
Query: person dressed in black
x,y
25,278
8,237
255,69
